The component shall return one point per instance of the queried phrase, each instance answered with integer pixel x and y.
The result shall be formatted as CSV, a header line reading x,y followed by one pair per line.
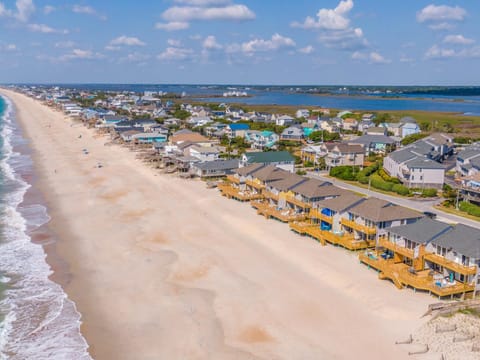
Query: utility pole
x,y
456,200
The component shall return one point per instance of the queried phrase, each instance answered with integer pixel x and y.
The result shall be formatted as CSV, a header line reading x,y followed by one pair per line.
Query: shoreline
x,y
150,284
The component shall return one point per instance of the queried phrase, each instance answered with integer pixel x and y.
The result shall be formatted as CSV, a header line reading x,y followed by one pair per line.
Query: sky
x,y
278,42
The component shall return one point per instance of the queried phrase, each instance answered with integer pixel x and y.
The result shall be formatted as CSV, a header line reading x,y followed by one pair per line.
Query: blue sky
x,y
348,42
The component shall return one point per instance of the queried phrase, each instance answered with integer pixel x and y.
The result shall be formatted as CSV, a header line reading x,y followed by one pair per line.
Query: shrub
x,y
344,172
387,177
378,183
470,209
400,189
301,172
429,192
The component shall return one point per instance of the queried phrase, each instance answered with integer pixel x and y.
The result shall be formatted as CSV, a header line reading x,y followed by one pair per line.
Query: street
x,y
419,205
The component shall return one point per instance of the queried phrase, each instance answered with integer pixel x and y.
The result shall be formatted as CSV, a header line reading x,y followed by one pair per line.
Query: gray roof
x,y
378,210
249,169
373,139
342,202
423,163
463,239
422,231
400,156
288,182
315,189
270,173
218,165
269,157
471,151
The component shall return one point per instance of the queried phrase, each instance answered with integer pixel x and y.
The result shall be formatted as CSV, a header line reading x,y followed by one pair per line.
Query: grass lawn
x,y
456,212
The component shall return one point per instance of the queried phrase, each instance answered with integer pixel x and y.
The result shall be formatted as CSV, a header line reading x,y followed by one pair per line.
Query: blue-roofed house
x,y
236,130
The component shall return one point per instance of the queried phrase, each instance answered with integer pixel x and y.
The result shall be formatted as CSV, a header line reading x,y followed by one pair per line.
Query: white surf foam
x,y
40,322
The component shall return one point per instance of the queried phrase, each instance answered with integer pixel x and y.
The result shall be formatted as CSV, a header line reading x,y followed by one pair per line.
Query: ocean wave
x,y
40,322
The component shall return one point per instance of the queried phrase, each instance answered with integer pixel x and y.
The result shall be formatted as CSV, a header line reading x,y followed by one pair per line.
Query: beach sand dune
x,y
163,268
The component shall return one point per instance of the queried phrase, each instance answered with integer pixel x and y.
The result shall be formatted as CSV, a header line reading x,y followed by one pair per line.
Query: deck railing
x,y
383,242
317,214
255,184
451,265
368,230
233,179
293,200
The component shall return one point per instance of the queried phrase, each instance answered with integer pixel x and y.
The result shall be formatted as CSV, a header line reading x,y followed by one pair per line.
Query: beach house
x,y
429,255
236,130
236,185
261,139
292,133
281,159
215,168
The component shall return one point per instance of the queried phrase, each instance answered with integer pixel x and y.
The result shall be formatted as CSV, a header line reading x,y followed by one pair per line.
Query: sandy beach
x,y
164,268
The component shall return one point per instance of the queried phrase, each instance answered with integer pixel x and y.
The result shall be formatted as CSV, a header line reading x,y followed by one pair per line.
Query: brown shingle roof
x,y
313,188
288,181
342,202
270,173
250,169
193,137
380,210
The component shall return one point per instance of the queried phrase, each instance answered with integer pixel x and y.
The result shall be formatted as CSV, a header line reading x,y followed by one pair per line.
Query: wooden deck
x,y
284,215
254,184
293,200
316,214
300,227
233,179
359,227
347,241
233,193
401,276
408,253
450,265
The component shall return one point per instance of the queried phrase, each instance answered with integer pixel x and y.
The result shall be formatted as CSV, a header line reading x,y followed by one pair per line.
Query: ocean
x,y
37,320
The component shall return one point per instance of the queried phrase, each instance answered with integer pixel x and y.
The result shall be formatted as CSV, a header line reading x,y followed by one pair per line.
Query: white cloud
x,y
8,47
406,59
457,39
25,9
189,13
372,57
441,26
329,19
134,57
79,54
175,43
127,41
172,26
334,27
175,53
307,49
261,45
23,12
210,43
65,44
47,9
45,29
441,13
88,10
436,52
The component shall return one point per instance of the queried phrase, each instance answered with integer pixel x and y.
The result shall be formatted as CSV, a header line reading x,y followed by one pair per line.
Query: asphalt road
x,y
419,205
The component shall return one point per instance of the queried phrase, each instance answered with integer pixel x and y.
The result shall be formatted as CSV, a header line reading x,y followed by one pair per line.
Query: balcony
x,y
347,241
408,253
284,215
368,230
293,200
451,265
255,184
231,192
270,195
233,179
316,214
402,275
300,227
